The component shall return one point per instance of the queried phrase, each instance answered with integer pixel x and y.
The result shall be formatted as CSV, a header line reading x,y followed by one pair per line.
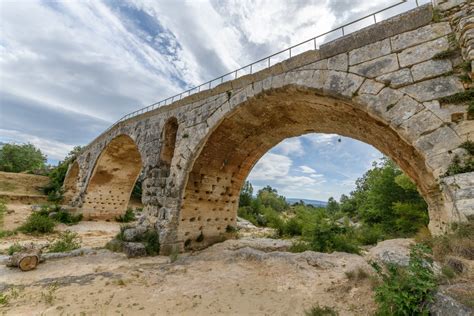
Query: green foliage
x,y
57,213
14,248
466,164
19,158
137,189
406,290
3,299
269,197
129,216
370,235
67,241
436,15
149,238
329,236
3,210
321,311
459,97
230,229
57,175
37,223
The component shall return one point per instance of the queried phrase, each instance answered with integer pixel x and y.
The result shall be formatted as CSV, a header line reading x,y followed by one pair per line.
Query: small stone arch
x,y
170,130
70,185
112,180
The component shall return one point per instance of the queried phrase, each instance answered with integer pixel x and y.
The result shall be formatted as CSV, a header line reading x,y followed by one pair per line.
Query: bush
x,y
129,216
406,290
14,248
67,241
67,218
321,311
370,235
328,236
37,223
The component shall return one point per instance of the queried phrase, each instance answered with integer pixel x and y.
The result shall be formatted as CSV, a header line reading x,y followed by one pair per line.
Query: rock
x,y
422,52
52,214
134,233
134,249
395,251
446,305
262,244
397,78
376,67
369,52
244,224
430,69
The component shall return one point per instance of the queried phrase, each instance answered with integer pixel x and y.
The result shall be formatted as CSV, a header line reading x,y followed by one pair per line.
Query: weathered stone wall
x,y
385,85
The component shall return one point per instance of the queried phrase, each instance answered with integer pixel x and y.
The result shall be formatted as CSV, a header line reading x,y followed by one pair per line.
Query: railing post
x,y
290,52
342,28
375,19
315,46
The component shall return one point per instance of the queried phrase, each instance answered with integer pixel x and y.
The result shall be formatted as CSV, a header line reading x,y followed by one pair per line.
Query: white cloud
x,y
270,167
291,146
53,149
307,169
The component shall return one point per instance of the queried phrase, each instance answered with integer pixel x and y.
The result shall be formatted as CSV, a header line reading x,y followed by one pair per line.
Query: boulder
x,y
134,249
446,305
395,251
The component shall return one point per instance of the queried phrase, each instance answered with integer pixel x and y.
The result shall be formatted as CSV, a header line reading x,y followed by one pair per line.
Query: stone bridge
x,y
402,85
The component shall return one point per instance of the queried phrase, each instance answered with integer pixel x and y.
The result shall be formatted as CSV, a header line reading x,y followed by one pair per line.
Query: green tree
x,y
19,158
332,206
246,194
269,197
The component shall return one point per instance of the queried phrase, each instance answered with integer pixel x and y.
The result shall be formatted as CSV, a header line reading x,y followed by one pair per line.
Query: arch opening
x,y
228,154
170,131
112,181
70,182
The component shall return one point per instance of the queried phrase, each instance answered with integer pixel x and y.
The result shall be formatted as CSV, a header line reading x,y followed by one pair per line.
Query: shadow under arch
x,y
227,155
111,183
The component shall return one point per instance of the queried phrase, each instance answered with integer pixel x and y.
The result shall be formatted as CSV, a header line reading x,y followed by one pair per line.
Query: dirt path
x,y
227,279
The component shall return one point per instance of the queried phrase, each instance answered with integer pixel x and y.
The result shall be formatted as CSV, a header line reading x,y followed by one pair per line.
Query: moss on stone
x,y
460,97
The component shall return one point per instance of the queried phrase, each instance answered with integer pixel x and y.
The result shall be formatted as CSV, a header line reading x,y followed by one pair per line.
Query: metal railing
x,y
251,67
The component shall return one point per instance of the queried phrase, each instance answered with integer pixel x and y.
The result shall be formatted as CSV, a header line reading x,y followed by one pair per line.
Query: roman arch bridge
x,y
399,85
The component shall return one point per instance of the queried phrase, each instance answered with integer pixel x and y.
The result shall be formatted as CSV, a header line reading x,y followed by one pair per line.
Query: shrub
x,y
328,236
151,241
67,218
14,248
321,311
370,234
129,216
406,290
67,241
37,223
3,210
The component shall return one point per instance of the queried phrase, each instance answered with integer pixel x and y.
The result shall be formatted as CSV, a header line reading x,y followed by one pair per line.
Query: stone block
x,y
439,141
397,78
371,87
420,35
434,88
338,62
369,52
422,52
420,123
403,110
431,69
376,67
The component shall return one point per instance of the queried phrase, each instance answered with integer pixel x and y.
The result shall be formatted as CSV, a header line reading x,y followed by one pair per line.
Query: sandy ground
x,y
229,278
20,183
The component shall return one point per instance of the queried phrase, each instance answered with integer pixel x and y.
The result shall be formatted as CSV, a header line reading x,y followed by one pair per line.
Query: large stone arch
x,y
111,183
291,106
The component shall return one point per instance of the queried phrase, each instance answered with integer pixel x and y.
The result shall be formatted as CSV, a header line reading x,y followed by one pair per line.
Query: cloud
x,y
270,167
53,149
291,146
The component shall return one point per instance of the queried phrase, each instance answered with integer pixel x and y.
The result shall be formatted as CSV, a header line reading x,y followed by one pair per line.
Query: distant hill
x,y
306,201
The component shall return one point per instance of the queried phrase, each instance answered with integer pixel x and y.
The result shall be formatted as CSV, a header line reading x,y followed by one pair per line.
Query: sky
x,y
69,69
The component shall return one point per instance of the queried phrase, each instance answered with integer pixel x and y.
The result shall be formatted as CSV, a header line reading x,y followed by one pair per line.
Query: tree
x,y
269,197
19,158
332,206
246,193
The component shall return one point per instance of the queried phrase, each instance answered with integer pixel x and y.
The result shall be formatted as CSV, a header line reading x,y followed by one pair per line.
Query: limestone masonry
x,y
389,85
